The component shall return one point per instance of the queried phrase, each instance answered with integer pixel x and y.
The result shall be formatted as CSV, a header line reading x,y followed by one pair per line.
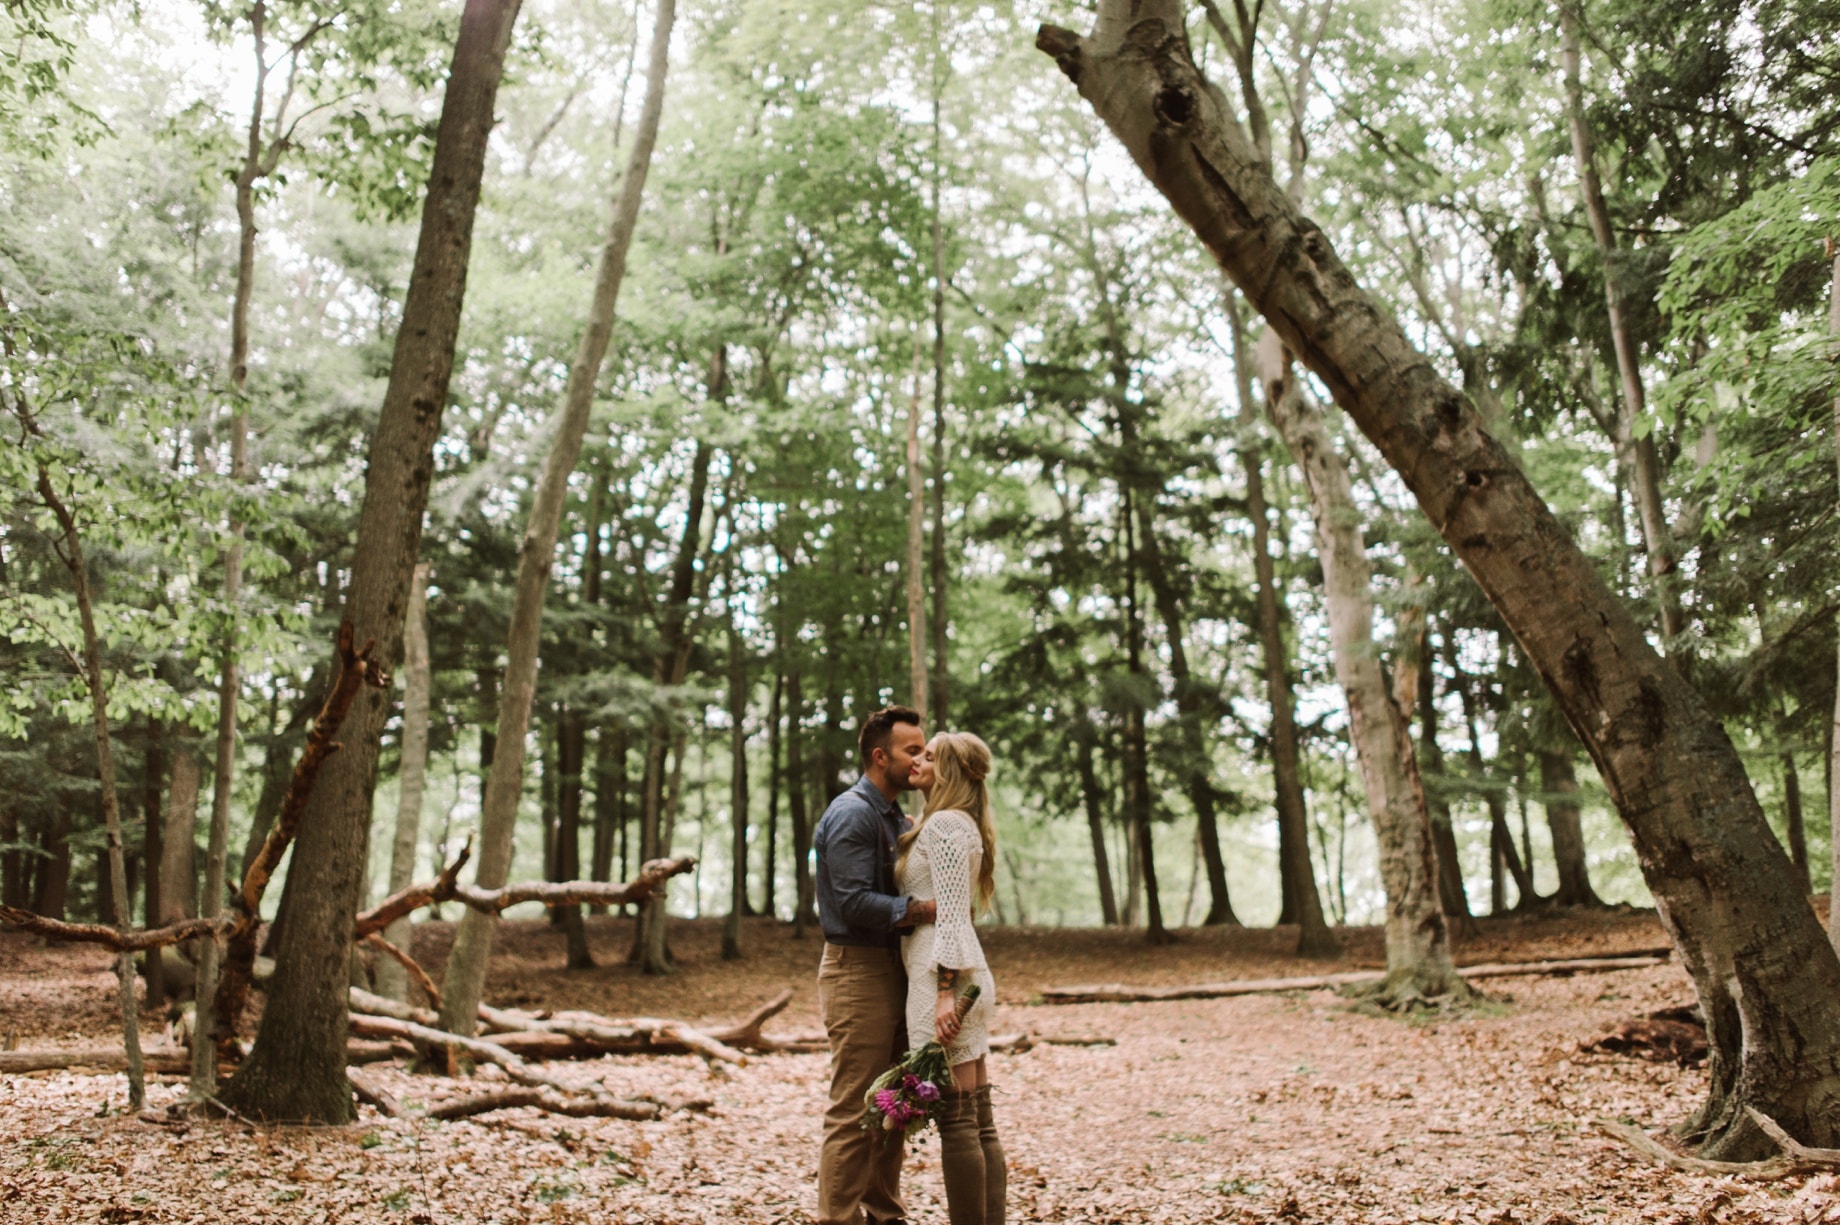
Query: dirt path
x,y
1255,1109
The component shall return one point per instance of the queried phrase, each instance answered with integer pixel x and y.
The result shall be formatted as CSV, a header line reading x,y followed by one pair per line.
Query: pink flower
x,y
887,1101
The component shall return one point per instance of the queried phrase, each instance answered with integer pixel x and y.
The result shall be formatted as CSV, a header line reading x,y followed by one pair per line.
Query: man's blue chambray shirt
x,y
855,840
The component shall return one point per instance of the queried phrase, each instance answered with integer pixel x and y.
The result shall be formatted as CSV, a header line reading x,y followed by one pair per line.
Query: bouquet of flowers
x,y
904,1097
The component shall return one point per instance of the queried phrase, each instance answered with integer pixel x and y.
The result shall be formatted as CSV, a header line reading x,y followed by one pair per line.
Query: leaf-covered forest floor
x,y
1268,1108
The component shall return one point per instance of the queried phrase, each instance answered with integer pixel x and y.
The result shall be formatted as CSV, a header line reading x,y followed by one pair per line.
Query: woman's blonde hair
x,y
961,761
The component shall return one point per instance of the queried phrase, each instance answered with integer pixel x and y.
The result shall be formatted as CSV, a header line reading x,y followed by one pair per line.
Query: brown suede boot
x,y
961,1157
996,1167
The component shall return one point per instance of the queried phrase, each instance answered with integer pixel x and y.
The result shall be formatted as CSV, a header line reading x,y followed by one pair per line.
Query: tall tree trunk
x,y
178,854
769,904
464,980
1139,809
802,916
1559,796
1494,796
916,549
1418,958
1767,979
668,671
1640,456
1793,821
51,891
153,853
296,1070
120,912
1299,901
941,676
571,756
1193,706
1833,724
1453,898
738,791
411,781
610,804
1093,796
203,1086
13,891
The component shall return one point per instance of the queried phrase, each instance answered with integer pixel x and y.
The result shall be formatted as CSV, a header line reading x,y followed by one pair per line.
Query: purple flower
x,y
927,1091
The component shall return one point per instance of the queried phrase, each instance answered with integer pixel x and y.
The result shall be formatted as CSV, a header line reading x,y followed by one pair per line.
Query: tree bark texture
x,y
412,780
1833,726
1767,979
296,1069
464,980
1418,958
178,849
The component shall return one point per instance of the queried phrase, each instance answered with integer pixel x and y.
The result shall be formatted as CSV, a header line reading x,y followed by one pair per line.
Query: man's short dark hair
x,y
878,729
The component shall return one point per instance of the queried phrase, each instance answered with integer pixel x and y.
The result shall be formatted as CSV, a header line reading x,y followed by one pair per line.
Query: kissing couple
x,y
897,901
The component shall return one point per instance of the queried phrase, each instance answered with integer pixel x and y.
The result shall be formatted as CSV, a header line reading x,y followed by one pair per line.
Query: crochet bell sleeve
x,y
954,849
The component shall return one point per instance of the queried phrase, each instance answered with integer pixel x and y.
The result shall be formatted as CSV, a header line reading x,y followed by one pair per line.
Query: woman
x,y
949,858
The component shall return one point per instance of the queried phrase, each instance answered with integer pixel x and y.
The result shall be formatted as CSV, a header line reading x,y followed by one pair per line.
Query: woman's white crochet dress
x,y
941,867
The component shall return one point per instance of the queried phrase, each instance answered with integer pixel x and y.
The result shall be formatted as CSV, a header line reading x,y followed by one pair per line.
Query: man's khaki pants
x,y
862,994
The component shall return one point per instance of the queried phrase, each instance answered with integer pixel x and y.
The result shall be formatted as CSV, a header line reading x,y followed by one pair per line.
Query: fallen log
x,y
598,1107
115,1058
1118,993
374,1095
1016,1044
92,1059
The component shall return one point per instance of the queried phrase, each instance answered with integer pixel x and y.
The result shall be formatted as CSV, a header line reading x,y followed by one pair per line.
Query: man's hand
x,y
919,912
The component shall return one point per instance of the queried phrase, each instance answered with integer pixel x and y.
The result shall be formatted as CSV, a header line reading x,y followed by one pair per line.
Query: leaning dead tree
x,y
1767,978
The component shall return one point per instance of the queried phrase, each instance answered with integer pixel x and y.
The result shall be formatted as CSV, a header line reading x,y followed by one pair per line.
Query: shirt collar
x,y
869,791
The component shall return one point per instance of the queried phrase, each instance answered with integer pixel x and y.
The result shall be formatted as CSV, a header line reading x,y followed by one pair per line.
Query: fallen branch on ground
x,y
1112,993
374,1095
94,1058
599,1106
115,1058
1016,1044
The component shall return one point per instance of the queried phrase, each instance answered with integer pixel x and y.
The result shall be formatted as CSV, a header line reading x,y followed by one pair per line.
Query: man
x,y
862,988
